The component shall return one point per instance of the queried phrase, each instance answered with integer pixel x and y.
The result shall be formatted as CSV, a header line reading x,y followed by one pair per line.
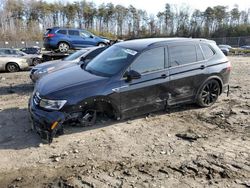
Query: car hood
x,y
57,64
66,79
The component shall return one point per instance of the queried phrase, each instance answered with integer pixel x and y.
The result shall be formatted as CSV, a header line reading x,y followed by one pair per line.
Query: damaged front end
x,y
48,123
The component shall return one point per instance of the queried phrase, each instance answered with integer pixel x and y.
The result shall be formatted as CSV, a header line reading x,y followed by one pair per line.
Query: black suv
x,y
129,79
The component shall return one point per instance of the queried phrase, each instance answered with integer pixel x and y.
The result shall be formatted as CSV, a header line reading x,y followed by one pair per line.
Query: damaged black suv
x,y
129,79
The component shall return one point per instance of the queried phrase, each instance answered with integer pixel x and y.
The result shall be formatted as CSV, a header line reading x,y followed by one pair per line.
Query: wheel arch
x,y
103,103
64,41
214,77
11,62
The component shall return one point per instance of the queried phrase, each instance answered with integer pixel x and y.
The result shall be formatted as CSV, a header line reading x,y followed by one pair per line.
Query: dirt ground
x,y
185,147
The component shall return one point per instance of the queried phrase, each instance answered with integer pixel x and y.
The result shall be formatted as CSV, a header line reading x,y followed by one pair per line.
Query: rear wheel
x,y
37,61
63,47
12,67
209,93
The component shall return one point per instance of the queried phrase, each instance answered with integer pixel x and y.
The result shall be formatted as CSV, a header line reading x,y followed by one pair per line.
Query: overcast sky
x,y
154,6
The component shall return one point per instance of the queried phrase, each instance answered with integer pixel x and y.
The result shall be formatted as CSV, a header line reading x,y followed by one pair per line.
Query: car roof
x,y
55,28
141,44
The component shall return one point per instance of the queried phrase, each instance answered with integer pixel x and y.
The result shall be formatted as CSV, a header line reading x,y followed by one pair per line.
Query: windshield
x,y
75,55
110,61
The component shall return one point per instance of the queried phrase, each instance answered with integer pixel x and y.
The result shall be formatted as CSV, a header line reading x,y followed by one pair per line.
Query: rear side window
x,y
151,60
62,31
207,51
74,32
181,55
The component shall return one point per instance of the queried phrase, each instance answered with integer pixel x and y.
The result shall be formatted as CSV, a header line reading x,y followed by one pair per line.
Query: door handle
x,y
163,76
202,67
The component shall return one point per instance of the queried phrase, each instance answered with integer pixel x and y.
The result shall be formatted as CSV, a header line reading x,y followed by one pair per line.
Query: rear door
x,y
187,69
149,93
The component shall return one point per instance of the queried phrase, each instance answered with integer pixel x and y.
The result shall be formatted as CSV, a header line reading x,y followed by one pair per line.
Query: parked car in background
x,y
64,39
245,47
85,55
31,50
129,79
33,59
225,46
225,50
13,64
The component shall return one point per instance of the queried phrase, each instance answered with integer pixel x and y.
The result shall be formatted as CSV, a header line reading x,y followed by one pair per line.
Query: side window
x,y
74,32
151,60
199,53
208,52
181,55
84,34
91,55
62,31
7,52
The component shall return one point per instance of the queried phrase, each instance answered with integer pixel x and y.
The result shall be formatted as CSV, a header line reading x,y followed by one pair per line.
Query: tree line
x,y
29,19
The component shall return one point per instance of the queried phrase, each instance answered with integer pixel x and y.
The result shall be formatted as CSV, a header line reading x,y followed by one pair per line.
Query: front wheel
x,y
102,44
12,67
209,93
37,61
63,47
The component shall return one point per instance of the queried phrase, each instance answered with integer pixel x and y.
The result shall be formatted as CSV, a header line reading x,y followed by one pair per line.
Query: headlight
x,y
52,104
45,71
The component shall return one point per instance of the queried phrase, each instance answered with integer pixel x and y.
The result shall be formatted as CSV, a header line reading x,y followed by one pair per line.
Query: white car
x,y
33,59
13,64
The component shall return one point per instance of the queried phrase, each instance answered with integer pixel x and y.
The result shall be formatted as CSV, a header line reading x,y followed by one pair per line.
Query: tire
x,y
102,44
12,67
63,47
36,61
209,93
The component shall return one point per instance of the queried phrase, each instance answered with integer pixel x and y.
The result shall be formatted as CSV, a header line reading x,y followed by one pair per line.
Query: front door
x,y
148,93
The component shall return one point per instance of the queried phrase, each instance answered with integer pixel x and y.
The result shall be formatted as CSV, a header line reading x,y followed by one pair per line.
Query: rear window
x,y
62,31
47,31
207,51
74,32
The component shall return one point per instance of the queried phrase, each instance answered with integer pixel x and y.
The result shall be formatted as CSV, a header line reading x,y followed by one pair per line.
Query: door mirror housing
x,y
132,75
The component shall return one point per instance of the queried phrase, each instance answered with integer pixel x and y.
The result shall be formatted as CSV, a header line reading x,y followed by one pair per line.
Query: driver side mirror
x,y
132,75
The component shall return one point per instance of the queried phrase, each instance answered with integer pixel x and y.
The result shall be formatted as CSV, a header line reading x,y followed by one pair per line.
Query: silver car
x,y
85,55
32,59
13,64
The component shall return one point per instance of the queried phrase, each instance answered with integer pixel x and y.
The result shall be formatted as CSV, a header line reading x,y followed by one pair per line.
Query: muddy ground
x,y
185,147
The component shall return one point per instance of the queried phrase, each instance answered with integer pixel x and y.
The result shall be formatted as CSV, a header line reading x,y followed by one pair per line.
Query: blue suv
x,y
64,39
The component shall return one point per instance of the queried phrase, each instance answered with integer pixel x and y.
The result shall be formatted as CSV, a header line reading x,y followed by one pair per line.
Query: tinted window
x,y
75,55
181,55
7,52
199,53
85,34
111,61
151,60
74,32
91,55
64,32
208,52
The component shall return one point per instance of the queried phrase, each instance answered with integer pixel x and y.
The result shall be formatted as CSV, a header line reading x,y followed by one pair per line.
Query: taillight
x,y
50,35
229,66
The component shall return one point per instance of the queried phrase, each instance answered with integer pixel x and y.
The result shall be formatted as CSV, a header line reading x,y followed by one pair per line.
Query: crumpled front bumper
x,y
45,123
